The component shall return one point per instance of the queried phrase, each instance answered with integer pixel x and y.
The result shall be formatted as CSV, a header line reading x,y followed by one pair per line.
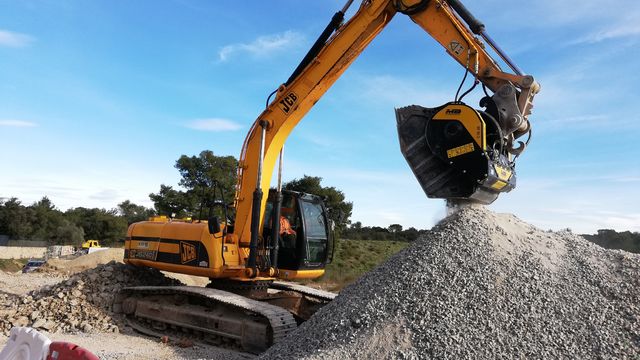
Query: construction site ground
x,y
126,343
479,285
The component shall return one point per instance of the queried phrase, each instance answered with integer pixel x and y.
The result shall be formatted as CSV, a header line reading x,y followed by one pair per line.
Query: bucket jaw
x,y
456,152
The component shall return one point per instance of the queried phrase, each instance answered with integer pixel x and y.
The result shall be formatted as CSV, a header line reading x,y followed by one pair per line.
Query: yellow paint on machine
x,y
468,117
189,270
460,150
498,185
300,274
169,248
502,172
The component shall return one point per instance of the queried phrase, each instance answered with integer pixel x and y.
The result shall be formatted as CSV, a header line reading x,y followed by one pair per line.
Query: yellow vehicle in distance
x,y
90,244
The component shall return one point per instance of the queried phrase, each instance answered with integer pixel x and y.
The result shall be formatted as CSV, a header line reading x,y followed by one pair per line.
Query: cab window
x,y
316,231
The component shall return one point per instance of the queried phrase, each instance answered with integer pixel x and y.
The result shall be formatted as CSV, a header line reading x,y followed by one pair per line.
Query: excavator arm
x,y
338,46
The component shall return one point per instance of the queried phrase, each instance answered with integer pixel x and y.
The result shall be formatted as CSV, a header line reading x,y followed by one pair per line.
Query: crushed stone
x,y
481,285
81,303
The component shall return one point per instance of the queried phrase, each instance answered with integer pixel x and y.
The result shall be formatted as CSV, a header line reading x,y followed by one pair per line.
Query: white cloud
x,y
110,195
623,29
398,91
262,46
577,121
17,123
15,39
213,124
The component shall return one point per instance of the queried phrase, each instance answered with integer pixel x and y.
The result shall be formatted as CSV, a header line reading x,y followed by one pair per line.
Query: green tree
x,y
133,212
340,210
46,219
411,234
171,202
206,173
395,229
99,224
611,239
17,219
205,177
68,234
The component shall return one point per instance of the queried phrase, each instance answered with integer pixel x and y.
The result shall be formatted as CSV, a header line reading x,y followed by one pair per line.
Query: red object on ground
x,y
60,350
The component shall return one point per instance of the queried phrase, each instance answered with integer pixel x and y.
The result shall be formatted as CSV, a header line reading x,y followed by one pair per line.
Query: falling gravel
x,y
482,285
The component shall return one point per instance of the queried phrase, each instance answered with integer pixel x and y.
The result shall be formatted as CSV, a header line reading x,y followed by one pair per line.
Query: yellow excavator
x,y
456,152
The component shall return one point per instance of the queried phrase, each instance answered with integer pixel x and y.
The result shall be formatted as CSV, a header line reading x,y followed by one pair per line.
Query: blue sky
x,y
99,98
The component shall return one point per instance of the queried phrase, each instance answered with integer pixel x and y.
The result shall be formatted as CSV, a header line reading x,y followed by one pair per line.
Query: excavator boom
x,y
331,56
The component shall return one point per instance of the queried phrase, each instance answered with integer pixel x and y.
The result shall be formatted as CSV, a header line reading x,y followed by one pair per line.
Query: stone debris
x,y
478,285
481,285
81,303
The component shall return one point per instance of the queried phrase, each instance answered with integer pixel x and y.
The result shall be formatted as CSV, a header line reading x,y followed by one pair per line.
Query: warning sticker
x,y
456,48
460,150
502,172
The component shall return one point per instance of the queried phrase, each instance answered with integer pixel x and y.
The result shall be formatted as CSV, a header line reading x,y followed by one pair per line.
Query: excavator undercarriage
x,y
248,316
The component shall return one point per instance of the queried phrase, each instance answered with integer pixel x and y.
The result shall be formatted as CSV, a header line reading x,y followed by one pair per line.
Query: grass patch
x,y
12,265
354,258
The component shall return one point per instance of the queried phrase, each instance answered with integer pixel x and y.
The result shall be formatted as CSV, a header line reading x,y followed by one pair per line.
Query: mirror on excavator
x,y
305,240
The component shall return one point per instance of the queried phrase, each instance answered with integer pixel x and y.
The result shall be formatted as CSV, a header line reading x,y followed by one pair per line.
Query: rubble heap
x,y
81,303
481,285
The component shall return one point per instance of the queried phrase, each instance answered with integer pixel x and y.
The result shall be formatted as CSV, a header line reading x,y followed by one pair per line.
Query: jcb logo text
x,y
286,104
187,252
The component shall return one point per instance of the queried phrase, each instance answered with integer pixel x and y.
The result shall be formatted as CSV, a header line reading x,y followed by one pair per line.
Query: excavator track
x,y
216,316
320,295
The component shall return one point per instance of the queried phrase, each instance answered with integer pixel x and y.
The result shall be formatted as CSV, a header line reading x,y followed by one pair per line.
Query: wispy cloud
x,y
214,124
398,91
262,46
582,122
17,123
15,39
567,23
105,195
626,28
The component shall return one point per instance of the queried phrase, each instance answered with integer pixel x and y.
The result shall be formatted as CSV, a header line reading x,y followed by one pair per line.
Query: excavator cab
x,y
305,241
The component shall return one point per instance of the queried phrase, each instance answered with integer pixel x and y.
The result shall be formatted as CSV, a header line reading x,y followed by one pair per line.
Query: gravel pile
x,y
482,285
81,303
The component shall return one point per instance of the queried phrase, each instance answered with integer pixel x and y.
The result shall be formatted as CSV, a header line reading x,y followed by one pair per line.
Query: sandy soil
x,y
84,262
20,284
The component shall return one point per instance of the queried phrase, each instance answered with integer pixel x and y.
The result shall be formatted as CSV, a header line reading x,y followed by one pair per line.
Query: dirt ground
x,y
127,344
136,346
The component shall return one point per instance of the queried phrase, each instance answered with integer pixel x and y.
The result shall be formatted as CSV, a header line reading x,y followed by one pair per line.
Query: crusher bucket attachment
x,y
456,152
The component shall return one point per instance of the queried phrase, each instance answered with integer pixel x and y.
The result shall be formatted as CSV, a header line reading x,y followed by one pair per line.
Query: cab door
x,y
306,244
316,232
